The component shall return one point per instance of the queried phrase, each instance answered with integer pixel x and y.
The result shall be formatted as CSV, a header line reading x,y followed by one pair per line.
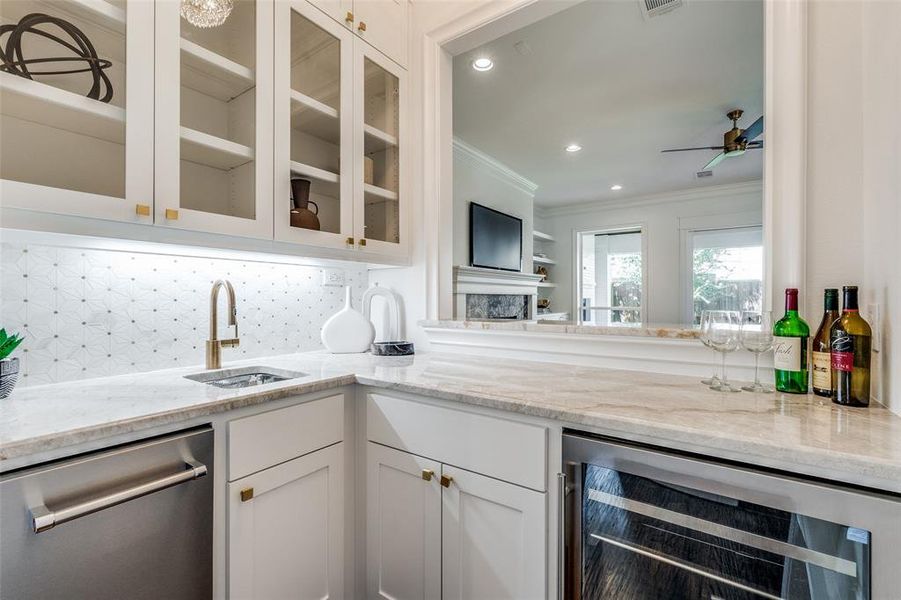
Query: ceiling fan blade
x,y
753,130
714,161
690,149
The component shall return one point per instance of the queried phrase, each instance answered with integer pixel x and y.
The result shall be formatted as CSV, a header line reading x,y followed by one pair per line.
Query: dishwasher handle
x,y
43,519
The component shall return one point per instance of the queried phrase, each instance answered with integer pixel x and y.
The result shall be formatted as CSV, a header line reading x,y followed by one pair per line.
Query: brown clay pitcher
x,y
301,215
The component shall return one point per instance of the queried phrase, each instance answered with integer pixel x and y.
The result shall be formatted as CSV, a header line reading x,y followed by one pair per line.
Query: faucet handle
x,y
231,343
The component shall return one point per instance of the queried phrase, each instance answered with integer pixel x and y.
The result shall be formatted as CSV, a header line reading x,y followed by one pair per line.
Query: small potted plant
x,y
9,367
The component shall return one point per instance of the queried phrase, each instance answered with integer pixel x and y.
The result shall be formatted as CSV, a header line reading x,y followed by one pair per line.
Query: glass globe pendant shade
x,y
206,13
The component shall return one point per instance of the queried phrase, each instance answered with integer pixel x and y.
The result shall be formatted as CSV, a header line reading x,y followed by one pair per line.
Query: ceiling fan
x,y
735,141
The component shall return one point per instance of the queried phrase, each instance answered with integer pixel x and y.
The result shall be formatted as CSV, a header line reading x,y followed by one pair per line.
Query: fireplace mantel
x,y
476,280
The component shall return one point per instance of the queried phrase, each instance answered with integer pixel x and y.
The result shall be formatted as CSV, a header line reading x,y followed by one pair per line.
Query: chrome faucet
x,y
214,344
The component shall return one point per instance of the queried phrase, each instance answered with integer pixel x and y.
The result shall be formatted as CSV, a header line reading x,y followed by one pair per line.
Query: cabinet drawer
x,y
260,441
507,450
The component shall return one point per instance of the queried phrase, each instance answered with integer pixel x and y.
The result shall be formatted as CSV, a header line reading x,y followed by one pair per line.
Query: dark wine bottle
x,y
821,345
851,339
791,335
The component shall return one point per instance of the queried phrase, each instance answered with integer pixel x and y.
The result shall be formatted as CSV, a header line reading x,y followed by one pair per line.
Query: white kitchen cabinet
x,y
69,154
493,538
382,23
213,111
286,529
403,525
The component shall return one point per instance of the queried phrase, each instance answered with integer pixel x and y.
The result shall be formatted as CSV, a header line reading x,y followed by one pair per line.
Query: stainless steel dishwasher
x,y
134,521
643,523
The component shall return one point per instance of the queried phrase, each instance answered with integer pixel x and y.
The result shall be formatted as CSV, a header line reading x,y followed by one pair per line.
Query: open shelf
x,y
542,236
96,12
212,74
541,260
205,149
546,284
375,139
327,181
378,192
40,103
314,117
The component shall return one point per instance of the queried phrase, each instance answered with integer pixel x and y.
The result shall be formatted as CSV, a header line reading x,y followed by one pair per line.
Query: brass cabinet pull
x,y
172,214
362,241
427,474
349,17
361,26
446,480
350,241
142,210
246,494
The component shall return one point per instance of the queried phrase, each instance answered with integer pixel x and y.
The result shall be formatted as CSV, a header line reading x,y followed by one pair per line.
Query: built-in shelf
x,y
543,261
324,182
96,12
375,140
213,74
205,149
41,103
314,118
378,192
546,284
542,236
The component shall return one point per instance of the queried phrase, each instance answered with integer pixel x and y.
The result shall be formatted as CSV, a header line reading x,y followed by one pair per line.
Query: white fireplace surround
x,y
476,280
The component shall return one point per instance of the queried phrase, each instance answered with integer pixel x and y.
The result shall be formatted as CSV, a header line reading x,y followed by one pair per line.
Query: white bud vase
x,y
347,331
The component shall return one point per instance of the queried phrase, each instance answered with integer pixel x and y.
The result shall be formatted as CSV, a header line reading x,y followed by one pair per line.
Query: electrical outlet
x,y
333,277
872,315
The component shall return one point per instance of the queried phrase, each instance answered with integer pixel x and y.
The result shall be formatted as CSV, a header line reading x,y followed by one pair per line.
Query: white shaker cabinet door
x,y
286,528
493,537
384,24
403,522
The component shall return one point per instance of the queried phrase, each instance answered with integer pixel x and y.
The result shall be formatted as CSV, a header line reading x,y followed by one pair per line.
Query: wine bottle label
x,y
842,351
822,371
787,353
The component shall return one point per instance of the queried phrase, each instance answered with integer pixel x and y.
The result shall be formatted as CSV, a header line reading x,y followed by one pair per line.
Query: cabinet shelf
x,y
546,284
97,12
541,260
375,139
41,103
542,236
213,74
205,149
381,193
328,181
314,117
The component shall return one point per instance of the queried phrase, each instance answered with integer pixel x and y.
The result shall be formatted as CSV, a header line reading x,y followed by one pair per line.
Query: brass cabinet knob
x,y
349,17
172,214
362,241
142,210
246,494
361,26
446,480
350,241
427,474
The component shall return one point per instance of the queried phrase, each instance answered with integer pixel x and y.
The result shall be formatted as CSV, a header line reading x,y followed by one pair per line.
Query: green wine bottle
x,y
791,335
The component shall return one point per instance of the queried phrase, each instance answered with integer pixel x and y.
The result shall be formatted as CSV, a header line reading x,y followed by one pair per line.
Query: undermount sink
x,y
243,377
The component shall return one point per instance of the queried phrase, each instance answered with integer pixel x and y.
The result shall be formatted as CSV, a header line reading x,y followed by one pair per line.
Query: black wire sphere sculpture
x,y
15,62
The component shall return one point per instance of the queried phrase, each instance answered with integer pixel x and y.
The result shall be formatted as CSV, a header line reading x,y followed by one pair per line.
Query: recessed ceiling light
x,y
483,64
573,148
616,187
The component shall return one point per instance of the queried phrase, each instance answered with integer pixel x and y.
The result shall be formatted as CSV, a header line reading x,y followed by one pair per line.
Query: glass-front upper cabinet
x,y
313,127
76,97
214,120
380,220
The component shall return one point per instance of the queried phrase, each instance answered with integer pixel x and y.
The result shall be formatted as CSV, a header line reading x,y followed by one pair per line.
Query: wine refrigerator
x,y
645,523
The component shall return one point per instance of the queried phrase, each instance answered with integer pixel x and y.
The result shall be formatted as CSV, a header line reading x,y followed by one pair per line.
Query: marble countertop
x,y
658,330
802,434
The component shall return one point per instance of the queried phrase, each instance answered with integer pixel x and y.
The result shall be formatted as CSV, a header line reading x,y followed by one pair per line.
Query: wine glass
x,y
713,380
756,333
724,338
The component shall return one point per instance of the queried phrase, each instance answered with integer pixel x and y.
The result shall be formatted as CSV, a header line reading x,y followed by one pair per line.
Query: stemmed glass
x,y
756,333
723,334
713,380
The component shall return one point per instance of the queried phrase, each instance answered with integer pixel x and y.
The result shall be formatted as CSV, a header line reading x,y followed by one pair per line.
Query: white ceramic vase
x,y
347,331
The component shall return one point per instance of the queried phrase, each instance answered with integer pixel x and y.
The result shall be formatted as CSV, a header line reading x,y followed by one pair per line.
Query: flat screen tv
x,y
495,239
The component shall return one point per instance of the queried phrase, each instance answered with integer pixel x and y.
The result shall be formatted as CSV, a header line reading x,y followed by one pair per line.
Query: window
x,y
726,270
612,277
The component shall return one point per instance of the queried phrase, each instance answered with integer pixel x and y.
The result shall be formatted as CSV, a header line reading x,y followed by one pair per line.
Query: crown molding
x,y
713,191
498,169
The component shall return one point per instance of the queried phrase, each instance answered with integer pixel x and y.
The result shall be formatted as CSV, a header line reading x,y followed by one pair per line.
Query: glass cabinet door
x,y
380,196
214,116
76,135
313,129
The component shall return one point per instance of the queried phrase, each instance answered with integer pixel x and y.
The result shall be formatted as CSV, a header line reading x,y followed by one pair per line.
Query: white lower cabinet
x,y
286,529
437,531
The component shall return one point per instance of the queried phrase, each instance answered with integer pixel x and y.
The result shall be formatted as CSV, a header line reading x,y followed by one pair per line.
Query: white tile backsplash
x,y
93,313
